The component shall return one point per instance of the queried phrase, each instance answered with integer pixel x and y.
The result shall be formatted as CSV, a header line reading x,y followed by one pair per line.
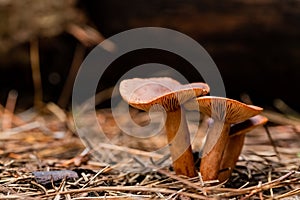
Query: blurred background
x,y
255,44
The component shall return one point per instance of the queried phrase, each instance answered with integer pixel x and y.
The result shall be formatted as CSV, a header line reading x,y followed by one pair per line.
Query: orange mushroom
x,y
235,144
154,93
224,113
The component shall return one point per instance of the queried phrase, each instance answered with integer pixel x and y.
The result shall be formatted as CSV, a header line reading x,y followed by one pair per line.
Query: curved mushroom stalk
x,y
224,112
146,94
216,141
235,144
179,143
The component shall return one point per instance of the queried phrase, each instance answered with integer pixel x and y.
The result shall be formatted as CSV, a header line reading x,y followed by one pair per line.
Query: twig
x,y
288,194
36,76
272,142
130,150
40,186
279,118
175,195
26,127
89,36
127,188
254,189
97,174
247,183
201,179
60,189
86,35
116,197
9,110
284,108
160,161
182,180
269,180
67,196
140,162
57,111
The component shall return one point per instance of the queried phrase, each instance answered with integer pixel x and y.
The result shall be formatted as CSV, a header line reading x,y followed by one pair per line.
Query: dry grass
x,y
45,141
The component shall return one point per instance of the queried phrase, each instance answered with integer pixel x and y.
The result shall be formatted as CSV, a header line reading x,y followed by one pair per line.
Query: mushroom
x,y
235,144
224,113
154,93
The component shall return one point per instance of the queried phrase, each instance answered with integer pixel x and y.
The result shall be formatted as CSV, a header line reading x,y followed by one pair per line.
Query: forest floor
x,y
46,141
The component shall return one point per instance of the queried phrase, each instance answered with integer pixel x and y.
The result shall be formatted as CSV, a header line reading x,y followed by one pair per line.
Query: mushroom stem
x,y
235,144
212,156
179,142
231,154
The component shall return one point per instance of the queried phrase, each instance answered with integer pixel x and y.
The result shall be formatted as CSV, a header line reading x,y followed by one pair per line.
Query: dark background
x,y
255,44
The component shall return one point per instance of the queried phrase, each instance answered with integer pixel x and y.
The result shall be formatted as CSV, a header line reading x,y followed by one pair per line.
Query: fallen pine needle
x,y
127,188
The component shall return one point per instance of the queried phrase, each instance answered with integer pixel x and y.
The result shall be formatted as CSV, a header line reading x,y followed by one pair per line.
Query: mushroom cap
x,y
162,91
248,125
224,109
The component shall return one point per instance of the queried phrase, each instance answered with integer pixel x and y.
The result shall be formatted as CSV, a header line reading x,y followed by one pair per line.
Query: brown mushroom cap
x,y
224,109
248,125
166,92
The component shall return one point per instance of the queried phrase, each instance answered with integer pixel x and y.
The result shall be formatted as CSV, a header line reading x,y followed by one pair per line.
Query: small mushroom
x,y
154,93
235,144
224,113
